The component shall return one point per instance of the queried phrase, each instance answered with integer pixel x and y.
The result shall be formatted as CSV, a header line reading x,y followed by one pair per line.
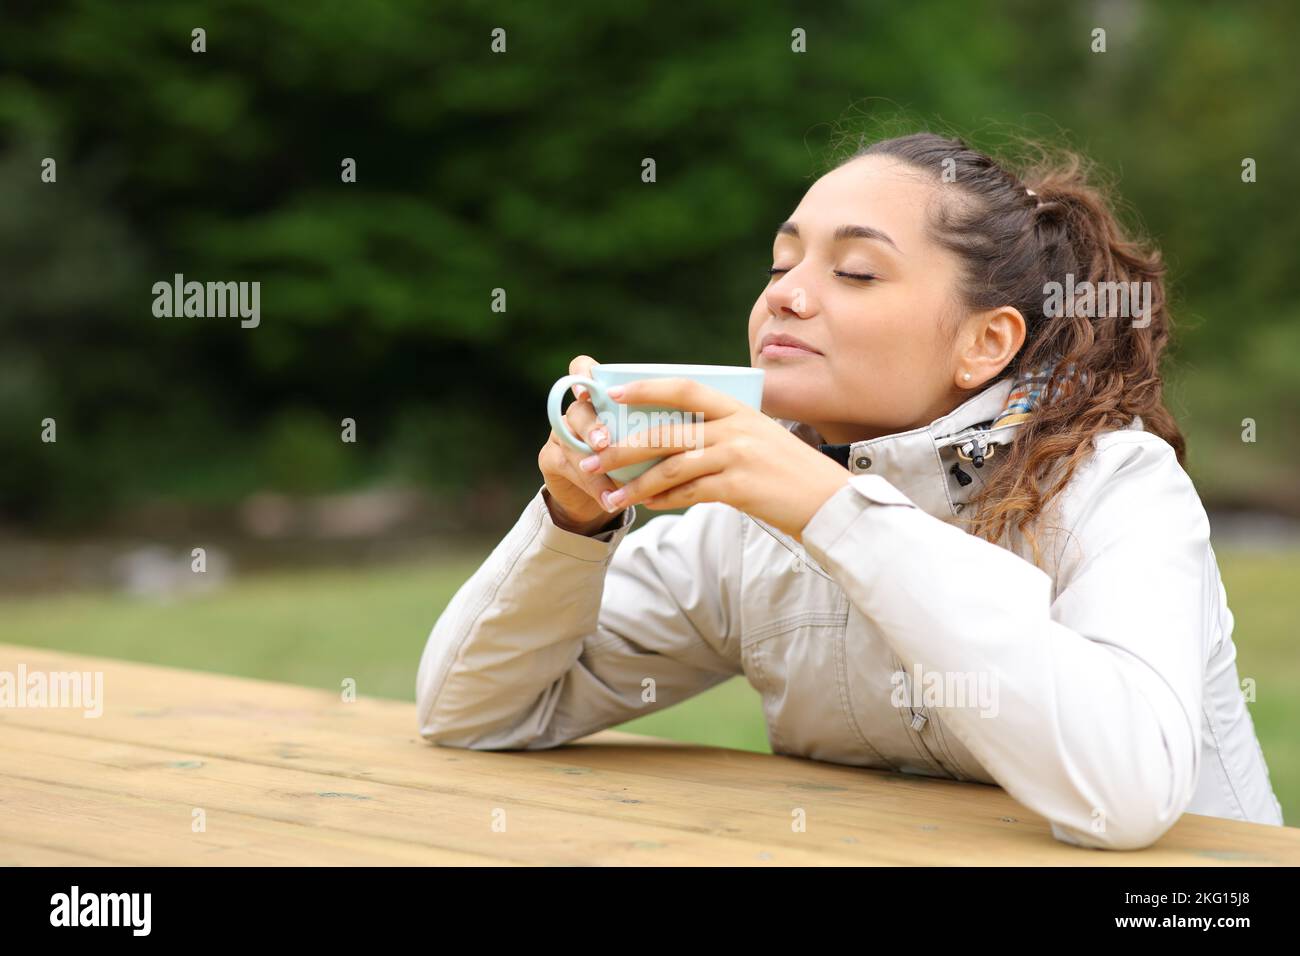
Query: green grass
x,y
1264,596
318,628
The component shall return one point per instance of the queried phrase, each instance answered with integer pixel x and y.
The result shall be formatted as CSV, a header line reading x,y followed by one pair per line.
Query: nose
x,y
789,295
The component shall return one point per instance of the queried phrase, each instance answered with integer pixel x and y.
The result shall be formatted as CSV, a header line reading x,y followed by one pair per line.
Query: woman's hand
x,y
573,495
718,449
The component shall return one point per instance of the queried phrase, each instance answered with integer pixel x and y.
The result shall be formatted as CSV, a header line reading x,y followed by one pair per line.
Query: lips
x,y
784,343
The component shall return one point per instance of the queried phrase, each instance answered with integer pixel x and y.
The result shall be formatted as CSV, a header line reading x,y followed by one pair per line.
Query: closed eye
x,y
861,276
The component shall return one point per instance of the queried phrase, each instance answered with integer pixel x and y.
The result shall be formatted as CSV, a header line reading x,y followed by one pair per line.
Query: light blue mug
x,y
621,420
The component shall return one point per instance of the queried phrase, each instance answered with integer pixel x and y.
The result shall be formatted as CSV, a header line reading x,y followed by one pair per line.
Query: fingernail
x,y
615,392
612,499
590,464
578,392
597,438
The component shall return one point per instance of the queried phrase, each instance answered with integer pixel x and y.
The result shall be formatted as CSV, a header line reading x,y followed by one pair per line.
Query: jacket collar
x,y
932,465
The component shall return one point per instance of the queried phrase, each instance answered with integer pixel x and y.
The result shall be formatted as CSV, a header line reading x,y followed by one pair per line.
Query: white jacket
x,y
1117,705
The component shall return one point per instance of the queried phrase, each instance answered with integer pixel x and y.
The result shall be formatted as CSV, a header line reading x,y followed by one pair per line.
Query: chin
x,y
786,391
775,407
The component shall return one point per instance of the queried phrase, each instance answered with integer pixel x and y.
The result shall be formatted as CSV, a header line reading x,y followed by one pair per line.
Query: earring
x,y
966,377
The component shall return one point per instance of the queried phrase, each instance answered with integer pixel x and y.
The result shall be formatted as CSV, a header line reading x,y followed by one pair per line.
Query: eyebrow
x,y
788,228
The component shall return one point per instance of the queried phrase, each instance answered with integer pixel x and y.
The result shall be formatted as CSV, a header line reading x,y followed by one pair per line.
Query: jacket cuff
x,y
596,547
841,509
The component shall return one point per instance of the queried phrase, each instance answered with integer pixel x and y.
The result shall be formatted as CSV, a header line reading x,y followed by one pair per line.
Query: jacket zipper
x,y
919,717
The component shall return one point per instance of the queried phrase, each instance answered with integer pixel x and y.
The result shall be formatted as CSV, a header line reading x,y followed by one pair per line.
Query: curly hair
x,y
1014,233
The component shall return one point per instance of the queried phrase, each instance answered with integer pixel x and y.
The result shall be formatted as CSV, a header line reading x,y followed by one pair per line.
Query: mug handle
x,y
553,408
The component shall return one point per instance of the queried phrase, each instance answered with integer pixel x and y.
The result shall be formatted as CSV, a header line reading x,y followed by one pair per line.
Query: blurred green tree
x,y
520,171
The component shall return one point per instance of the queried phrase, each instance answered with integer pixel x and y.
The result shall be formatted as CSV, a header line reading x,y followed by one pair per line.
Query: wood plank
x,y
127,829
417,820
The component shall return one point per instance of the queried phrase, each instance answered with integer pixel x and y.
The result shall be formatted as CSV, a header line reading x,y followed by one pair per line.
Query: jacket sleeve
x,y
1097,686
558,635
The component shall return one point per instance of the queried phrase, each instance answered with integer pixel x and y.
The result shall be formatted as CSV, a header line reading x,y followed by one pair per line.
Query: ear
x,y
988,342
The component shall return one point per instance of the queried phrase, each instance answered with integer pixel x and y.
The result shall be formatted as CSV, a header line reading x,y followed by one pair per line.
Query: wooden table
x,y
292,775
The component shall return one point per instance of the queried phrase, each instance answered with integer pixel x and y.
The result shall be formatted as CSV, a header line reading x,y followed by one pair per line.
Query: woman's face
x,y
883,360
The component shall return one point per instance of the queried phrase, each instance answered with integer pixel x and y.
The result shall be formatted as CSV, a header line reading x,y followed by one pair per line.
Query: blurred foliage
x,y
521,171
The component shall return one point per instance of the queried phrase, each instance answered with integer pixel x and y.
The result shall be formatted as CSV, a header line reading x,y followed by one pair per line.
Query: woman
x,y
957,541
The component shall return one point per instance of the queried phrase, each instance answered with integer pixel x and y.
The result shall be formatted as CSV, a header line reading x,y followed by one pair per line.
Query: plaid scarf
x,y
1027,389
